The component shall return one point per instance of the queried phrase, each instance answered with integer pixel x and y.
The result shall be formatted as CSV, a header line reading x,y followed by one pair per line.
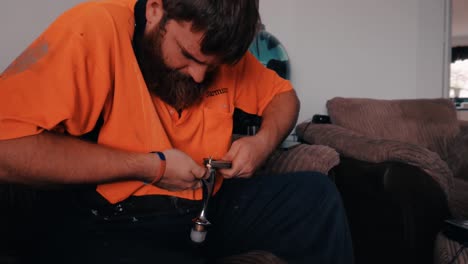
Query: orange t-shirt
x,y
83,67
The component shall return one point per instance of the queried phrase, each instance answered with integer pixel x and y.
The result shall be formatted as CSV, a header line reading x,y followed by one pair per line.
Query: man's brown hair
x,y
229,25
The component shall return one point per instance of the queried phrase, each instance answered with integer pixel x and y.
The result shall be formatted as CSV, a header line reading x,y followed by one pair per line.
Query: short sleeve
x,y
256,85
61,81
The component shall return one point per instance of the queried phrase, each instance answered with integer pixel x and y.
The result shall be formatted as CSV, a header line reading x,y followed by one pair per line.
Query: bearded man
x,y
156,82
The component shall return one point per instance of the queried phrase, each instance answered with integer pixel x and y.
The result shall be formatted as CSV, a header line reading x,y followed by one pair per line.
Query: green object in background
x,y
271,53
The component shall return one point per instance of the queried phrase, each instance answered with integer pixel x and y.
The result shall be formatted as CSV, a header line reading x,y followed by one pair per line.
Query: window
x,y
459,79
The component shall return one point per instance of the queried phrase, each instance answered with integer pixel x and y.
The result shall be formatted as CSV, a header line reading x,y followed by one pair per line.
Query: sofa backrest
x,y
431,123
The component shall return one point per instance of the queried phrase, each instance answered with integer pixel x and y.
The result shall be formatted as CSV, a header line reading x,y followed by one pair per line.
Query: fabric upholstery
x,y
431,123
355,145
424,133
457,153
446,249
459,198
302,158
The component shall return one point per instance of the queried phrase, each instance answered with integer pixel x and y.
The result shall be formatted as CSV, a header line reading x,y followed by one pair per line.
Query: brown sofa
x,y
403,171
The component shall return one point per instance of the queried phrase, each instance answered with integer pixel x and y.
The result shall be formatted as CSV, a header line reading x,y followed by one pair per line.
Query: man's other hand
x,y
247,155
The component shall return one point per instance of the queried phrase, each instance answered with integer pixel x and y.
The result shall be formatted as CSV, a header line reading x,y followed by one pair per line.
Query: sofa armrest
x,y
394,210
360,147
463,126
302,157
457,151
462,137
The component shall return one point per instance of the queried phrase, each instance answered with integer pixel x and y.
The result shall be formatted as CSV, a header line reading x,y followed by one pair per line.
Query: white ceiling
x,y
460,18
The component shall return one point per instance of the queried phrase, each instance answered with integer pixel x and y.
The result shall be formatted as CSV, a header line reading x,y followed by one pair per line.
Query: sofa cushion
x,y
431,123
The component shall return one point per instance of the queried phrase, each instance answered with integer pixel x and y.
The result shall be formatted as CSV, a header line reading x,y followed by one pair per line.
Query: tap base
x,y
197,236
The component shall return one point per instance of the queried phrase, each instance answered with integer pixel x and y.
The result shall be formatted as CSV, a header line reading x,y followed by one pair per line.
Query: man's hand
x,y
182,172
247,155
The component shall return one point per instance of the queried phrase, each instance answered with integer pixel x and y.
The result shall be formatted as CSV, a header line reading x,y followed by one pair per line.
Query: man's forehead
x,y
190,41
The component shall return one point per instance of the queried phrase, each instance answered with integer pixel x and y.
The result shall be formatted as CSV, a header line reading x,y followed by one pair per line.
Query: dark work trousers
x,y
298,217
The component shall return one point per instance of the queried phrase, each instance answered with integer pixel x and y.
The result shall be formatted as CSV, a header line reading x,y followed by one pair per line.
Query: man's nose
x,y
197,72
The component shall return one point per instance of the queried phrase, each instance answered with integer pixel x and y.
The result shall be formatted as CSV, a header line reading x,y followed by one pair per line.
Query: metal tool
x,y
201,223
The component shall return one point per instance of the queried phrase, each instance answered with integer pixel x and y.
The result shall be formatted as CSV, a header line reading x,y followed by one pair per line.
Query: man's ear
x,y
154,12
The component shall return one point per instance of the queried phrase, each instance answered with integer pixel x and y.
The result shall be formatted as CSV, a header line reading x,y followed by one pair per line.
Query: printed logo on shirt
x,y
216,92
28,58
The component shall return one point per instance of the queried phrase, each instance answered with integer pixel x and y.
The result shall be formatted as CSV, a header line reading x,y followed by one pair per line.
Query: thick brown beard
x,y
176,89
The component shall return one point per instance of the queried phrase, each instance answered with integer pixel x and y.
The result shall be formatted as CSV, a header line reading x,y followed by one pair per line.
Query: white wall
x,y
360,48
21,21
